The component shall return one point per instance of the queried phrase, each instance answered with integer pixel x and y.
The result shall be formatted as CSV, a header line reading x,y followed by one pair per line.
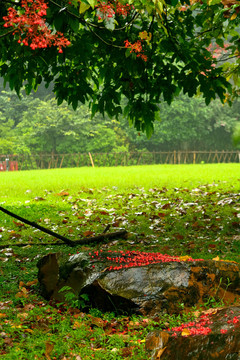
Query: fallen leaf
x,y
28,330
63,193
212,246
16,326
160,352
14,234
185,332
166,206
28,307
8,342
102,212
22,316
179,236
233,17
196,313
184,258
195,225
97,322
235,262
211,311
76,325
23,293
33,282
127,351
49,348
19,224
3,259
88,233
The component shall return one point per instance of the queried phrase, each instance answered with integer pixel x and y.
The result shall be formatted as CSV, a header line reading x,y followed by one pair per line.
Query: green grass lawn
x,y
175,209
15,184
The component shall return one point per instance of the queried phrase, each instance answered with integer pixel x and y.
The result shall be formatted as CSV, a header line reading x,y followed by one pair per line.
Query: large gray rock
x,y
213,336
147,289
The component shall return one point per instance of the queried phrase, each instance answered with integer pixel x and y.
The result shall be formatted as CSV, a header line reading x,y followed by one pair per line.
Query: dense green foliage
x,y
98,67
38,125
236,135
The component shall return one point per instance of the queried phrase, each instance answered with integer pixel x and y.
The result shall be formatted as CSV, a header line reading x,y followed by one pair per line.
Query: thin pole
x,y
91,159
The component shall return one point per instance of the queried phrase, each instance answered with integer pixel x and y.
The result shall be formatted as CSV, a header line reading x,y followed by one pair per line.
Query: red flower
x,y
235,320
31,28
129,259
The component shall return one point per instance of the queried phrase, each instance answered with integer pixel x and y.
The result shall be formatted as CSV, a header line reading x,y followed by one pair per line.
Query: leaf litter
x,y
202,221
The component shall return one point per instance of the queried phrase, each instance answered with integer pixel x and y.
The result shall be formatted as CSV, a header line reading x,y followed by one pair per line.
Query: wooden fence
x,y
50,161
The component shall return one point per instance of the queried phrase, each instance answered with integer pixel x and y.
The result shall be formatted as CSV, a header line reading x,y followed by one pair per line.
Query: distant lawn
x,y
15,184
188,210
181,208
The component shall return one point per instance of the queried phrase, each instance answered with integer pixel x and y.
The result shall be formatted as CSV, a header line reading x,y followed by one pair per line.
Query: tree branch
x,y
67,241
101,237
67,11
104,41
5,246
9,32
10,2
39,227
83,21
127,24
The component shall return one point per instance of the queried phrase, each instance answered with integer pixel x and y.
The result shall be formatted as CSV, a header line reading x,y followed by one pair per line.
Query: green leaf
x,y
207,100
74,24
83,7
75,3
109,23
149,129
220,42
127,53
214,2
74,103
58,22
92,3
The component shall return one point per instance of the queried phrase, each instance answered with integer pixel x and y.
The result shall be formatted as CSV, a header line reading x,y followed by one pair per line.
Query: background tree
x,y
34,125
40,125
47,127
188,124
143,51
6,138
236,136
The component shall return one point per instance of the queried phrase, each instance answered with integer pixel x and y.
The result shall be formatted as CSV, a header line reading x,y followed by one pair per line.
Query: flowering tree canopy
x,y
100,52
